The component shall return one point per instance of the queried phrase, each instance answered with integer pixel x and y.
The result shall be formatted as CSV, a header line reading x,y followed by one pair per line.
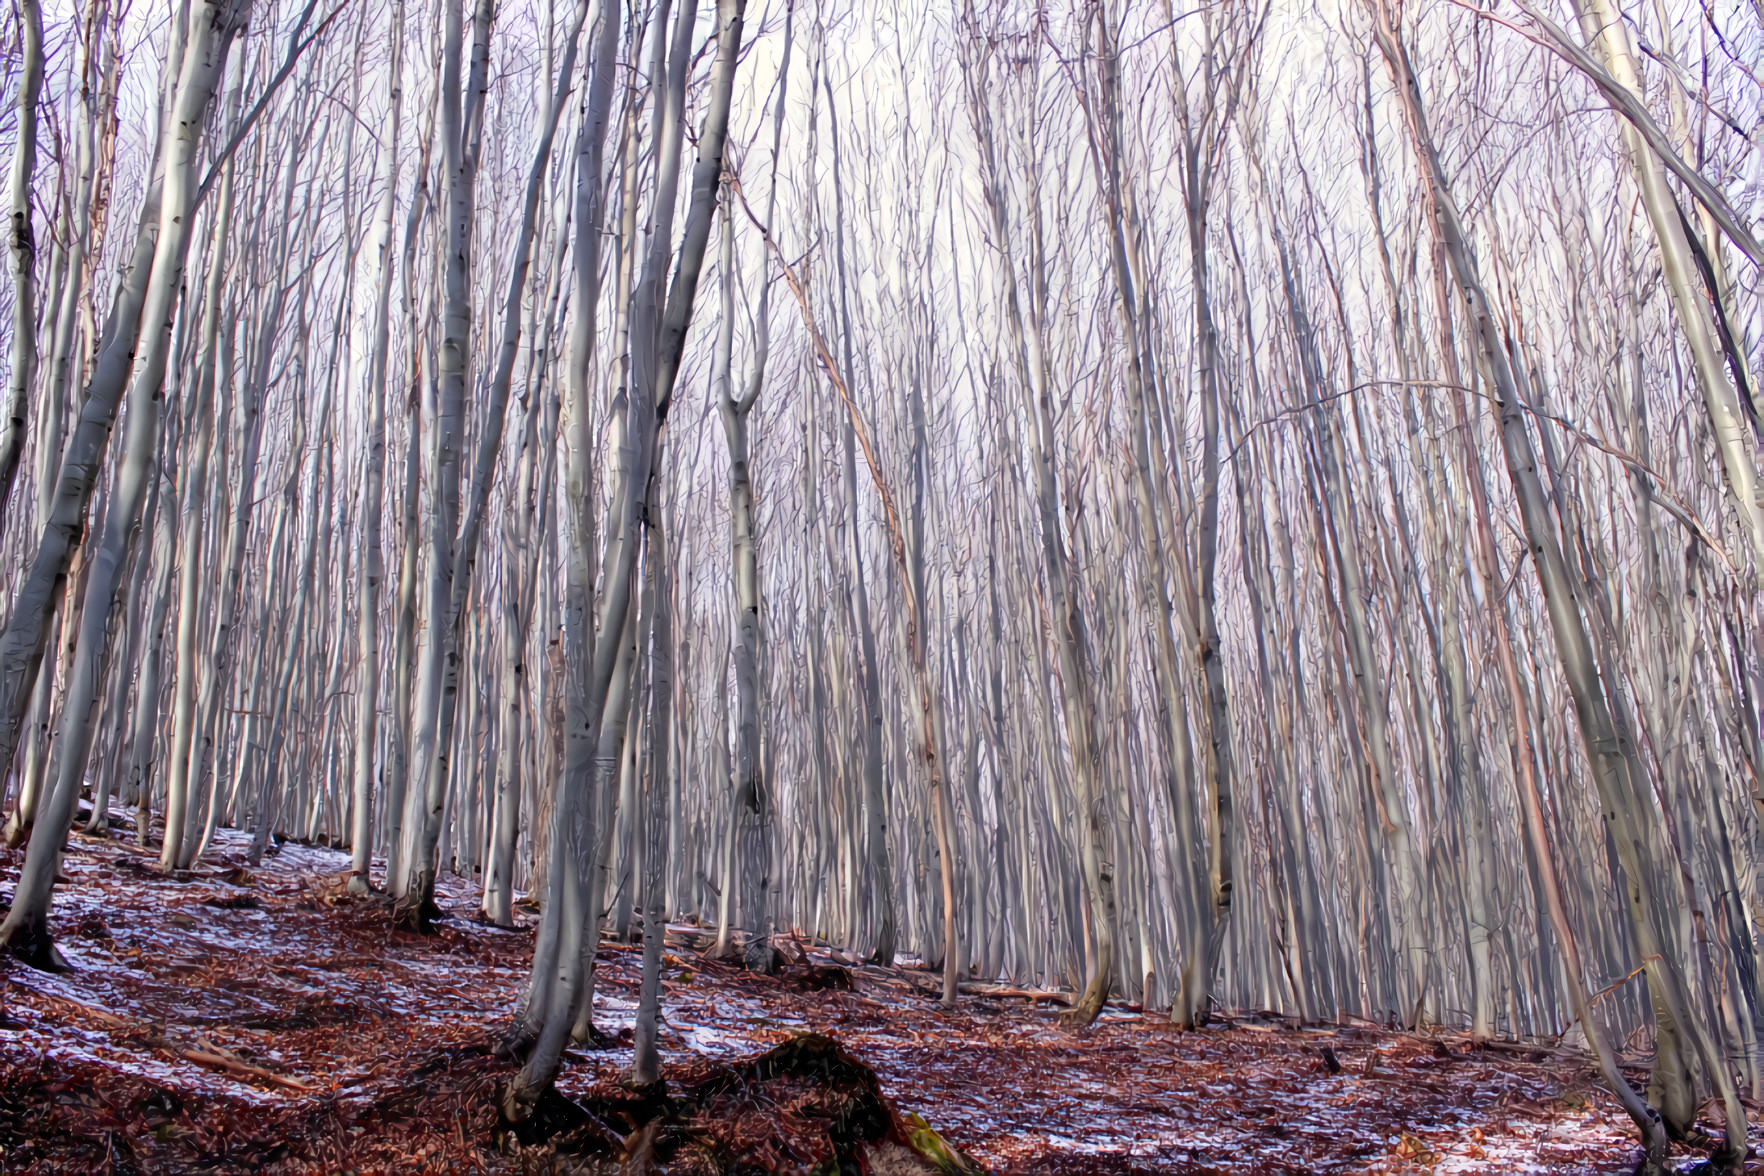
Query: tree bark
x,y
21,245
214,24
1612,768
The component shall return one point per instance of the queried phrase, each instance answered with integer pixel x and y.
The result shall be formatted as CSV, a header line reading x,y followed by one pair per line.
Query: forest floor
x,y
261,1021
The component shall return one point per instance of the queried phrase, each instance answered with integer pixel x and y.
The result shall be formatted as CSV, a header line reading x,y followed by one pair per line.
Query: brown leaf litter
x,y
264,1021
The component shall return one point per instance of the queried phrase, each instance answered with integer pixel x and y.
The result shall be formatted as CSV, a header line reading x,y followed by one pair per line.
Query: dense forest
x,y
1247,506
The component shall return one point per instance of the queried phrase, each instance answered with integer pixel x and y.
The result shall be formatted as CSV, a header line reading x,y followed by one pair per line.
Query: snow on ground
x,y
258,1020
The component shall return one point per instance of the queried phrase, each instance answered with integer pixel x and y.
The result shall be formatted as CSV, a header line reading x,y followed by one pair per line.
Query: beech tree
x,y
1223,507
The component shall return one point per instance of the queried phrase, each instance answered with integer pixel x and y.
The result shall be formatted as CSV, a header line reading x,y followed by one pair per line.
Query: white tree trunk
x,y
21,244
214,24
371,568
556,997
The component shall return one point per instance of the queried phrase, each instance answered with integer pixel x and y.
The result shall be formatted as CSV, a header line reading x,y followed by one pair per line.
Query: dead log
x,y
1032,994
239,1069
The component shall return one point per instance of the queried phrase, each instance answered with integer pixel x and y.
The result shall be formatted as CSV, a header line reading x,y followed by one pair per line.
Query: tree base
x,y
35,947
417,913
554,1120
761,957
821,1103
822,978
1087,1008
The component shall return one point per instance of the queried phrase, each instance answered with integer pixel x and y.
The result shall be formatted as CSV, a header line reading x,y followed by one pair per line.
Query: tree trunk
x,y
21,244
214,24
371,571
1612,769
555,997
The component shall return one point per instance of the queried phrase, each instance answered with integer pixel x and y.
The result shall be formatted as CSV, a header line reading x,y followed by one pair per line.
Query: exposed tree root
x,y
34,946
806,1105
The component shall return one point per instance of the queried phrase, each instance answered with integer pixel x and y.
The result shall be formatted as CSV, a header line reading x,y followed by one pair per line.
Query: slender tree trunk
x,y
192,510
146,710
371,567
453,558
1603,26
875,791
555,1000
214,24
21,245
1612,769
922,698
658,607
1065,613
413,885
